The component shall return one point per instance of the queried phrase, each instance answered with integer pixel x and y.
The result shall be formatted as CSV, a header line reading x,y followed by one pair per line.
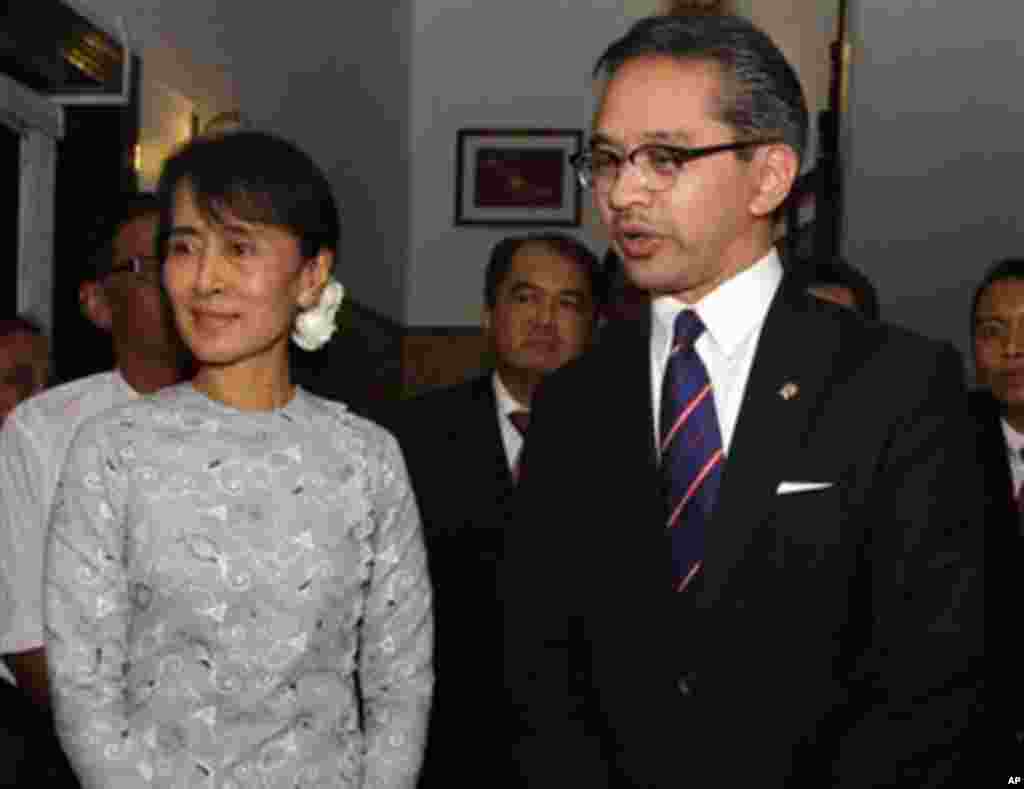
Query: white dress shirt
x,y
733,314
510,437
33,445
1015,446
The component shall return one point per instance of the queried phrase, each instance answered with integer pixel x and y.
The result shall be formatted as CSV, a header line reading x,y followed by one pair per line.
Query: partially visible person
x,y
997,405
542,293
120,293
839,282
24,362
236,585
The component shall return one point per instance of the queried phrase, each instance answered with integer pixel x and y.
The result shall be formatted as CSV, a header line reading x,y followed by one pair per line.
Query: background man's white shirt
x,y
33,446
510,437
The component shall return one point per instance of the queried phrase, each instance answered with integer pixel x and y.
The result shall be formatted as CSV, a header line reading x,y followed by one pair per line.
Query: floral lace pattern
x,y
238,600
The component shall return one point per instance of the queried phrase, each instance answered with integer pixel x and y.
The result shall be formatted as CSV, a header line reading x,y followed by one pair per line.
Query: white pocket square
x,y
801,487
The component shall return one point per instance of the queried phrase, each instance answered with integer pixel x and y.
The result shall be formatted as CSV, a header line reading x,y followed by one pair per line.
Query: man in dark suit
x,y
742,553
997,332
462,446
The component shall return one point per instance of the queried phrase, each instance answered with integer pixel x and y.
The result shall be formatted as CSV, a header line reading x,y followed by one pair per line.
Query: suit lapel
x,y
631,484
487,433
791,365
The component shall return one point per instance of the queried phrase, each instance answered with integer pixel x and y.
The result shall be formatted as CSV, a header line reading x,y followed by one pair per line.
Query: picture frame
x,y
517,177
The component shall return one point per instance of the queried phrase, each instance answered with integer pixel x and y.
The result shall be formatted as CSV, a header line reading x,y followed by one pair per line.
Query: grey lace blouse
x,y
238,599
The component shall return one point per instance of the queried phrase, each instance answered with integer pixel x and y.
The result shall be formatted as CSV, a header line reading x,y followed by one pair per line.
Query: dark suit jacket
x,y
834,636
453,449
1004,549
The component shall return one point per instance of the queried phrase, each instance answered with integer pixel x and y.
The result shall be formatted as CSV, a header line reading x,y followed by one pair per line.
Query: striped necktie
x,y
690,450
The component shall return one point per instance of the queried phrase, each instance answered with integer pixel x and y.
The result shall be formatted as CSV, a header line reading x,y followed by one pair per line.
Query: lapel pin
x,y
789,390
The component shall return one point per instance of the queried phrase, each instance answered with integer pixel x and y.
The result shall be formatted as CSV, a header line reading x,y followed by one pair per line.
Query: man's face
x,y
999,340
21,357
689,238
543,314
139,318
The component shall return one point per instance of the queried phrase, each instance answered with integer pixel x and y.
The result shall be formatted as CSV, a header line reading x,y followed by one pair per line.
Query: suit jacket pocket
x,y
809,523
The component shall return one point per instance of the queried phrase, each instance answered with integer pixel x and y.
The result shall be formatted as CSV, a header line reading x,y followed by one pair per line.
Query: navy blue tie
x,y
690,449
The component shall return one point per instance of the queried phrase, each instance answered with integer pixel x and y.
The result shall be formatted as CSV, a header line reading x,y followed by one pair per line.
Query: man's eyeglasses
x,y
146,267
660,165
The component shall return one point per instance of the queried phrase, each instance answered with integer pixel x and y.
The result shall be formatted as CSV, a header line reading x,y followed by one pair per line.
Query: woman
x,y
237,591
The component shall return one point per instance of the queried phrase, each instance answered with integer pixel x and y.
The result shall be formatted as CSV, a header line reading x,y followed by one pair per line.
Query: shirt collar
x,y
1014,440
731,312
506,402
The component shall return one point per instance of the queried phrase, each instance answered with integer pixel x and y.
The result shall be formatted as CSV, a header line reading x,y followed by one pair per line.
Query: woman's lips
x,y
212,320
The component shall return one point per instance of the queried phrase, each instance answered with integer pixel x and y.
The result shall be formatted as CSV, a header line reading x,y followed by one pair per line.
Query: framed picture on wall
x,y
516,177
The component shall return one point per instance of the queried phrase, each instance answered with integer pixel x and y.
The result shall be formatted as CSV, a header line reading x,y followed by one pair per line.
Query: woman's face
x,y
235,286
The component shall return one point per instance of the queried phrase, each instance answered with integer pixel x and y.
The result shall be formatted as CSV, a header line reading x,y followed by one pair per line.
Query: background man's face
x,y
22,366
999,340
543,314
139,316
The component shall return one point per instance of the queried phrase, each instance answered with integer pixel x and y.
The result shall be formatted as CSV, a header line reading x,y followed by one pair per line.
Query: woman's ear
x,y
93,300
314,275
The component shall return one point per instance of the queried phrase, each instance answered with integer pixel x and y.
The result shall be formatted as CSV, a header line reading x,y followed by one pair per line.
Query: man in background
x,y
997,405
461,445
121,294
24,362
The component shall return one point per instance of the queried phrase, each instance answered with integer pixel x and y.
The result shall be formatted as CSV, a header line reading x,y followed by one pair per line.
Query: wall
x,y
333,80
933,153
185,68
487,63
803,31
339,86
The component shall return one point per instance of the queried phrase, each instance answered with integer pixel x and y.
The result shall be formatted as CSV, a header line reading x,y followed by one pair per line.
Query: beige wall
x,y
803,29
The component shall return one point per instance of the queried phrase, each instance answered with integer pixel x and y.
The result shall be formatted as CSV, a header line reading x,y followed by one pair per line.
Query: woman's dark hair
x,y
258,178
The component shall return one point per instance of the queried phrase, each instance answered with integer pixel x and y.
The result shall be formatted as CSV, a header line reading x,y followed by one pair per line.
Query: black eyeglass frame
x,y
681,155
134,265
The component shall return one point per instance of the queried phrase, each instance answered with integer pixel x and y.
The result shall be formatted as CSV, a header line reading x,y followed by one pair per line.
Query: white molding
x,y
22,109
39,124
35,227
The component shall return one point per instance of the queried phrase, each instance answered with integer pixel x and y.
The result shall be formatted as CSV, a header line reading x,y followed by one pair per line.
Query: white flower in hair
x,y
314,327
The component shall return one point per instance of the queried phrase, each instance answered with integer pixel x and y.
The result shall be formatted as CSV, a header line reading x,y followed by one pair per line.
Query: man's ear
x,y
314,276
92,298
485,319
777,168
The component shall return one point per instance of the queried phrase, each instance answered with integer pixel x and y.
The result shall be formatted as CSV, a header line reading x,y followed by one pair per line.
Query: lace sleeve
x,y
87,615
397,638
